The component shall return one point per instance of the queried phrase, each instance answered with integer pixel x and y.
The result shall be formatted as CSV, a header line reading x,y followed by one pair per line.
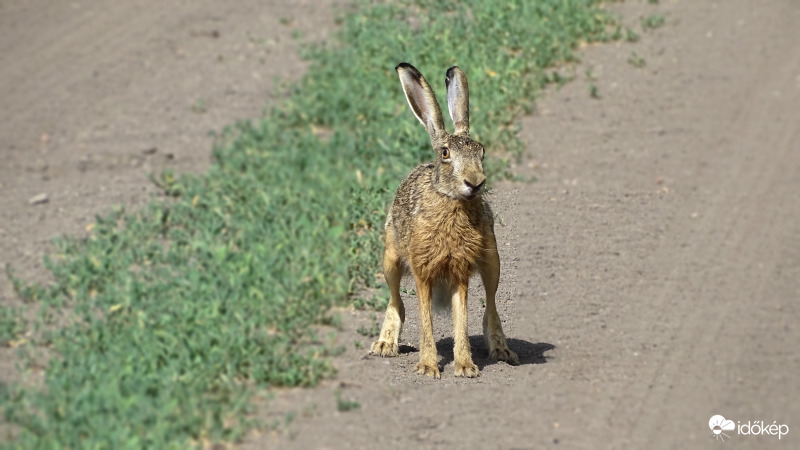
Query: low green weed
x,y
373,330
652,21
345,404
636,61
12,325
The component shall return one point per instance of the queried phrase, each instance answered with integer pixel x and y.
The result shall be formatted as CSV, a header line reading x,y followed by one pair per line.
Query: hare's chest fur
x,y
446,242
440,237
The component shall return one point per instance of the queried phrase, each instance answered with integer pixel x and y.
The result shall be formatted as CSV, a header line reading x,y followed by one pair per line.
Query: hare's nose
x,y
474,188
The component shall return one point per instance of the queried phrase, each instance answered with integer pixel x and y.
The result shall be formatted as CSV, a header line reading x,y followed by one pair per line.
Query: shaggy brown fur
x,y
441,230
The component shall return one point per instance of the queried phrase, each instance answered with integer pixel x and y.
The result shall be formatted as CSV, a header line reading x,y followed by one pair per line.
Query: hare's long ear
x,y
421,99
458,100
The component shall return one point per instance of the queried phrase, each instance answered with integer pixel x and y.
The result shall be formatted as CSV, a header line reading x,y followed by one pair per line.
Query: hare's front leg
x,y
462,352
388,343
428,360
492,328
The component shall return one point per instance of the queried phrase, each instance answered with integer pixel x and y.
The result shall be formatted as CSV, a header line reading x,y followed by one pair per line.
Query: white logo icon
x,y
718,425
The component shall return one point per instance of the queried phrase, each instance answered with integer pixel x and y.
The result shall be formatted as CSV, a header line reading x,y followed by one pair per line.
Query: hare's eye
x,y
445,153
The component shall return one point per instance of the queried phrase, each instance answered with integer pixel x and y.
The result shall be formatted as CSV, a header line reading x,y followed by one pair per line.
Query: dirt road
x,y
650,275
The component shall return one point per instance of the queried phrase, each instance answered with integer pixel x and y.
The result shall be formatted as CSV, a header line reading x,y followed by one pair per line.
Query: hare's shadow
x,y
528,352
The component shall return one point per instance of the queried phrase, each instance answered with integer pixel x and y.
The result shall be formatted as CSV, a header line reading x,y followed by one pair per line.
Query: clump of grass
x,y
630,35
636,61
174,313
594,91
652,21
557,78
373,330
12,325
200,106
345,404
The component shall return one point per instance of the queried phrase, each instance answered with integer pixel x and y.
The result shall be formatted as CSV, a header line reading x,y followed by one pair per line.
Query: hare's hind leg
x,y
492,328
388,343
461,351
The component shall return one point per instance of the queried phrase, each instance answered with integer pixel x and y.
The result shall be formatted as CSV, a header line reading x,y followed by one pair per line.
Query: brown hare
x,y
441,231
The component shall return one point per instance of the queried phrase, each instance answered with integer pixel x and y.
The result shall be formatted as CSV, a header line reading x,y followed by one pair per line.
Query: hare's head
x,y
458,165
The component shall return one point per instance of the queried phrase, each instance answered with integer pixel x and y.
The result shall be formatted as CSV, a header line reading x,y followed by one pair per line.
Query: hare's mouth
x,y
470,191
470,195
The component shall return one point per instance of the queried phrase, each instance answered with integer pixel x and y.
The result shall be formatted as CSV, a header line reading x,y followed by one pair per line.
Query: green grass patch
x,y
652,21
374,329
12,325
636,61
164,320
345,404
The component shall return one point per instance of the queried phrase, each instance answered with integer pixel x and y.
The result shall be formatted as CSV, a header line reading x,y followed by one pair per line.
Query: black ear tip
x,y
451,72
407,70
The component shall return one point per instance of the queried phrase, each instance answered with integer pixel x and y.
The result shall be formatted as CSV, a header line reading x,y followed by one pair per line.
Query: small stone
x,y
38,199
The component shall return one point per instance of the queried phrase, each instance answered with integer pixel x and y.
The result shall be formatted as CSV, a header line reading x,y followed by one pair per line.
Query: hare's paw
x,y
504,354
385,349
467,369
431,370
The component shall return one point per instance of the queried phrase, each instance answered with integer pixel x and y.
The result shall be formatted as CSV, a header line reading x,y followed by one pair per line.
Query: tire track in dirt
x,y
721,147
736,240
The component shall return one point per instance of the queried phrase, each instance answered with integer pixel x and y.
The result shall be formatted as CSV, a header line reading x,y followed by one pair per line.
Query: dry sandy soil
x,y
651,276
